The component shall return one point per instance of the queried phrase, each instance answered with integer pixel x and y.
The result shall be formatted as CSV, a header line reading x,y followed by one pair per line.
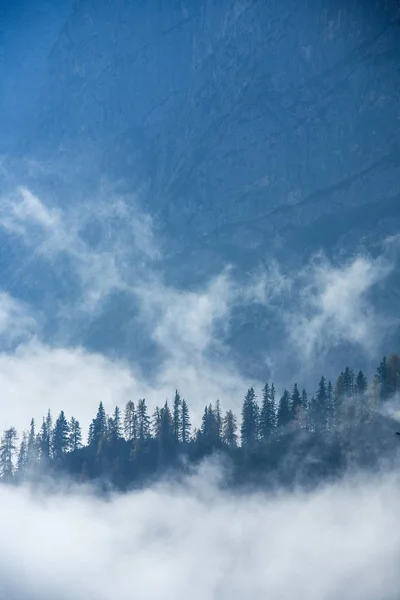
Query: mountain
x,y
251,130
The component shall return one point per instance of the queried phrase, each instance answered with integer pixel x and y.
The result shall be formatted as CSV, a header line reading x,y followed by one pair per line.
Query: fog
x,y
173,540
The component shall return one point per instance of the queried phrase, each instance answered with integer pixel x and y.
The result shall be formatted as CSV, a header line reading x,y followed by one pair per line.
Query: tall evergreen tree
x,y
250,419
295,407
267,414
167,431
218,421
284,412
45,437
60,436
32,449
130,421
8,448
184,423
177,416
115,426
143,421
156,423
75,435
100,423
229,430
22,454
320,406
330,407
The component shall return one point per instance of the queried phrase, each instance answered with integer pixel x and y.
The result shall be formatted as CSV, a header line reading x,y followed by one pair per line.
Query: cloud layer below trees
x,y
170,541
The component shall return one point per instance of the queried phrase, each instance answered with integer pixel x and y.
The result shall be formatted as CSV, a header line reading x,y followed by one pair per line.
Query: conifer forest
x,y
297,437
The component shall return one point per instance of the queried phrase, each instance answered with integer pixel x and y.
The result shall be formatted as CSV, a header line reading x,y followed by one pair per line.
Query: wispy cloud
x,y
333,306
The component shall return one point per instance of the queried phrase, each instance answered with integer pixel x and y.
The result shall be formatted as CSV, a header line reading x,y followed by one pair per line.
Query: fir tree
x,y
7,450
177,417
229,430
100,423
75,435
60,436
267,414
32,449
22,454
115,426
143,421
250,420
295,407
284,412
184,423
320,407
130,421
218,421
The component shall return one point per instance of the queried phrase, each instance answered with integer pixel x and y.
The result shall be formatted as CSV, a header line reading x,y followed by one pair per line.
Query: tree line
x,y
132,445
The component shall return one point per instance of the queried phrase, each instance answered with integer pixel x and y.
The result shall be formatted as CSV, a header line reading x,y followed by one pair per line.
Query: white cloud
x,y
333,306
17,321
341,541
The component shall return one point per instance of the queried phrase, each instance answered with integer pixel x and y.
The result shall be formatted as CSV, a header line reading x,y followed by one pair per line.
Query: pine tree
x,y
7,450
284,412
267,414
130,421
320,407
100,423
143,421
250,420
295,407
156,423
184,423
45,437
32,449
22,454
115,426
218,421
229,430
167,431
177,416
75,435
330,407
60,436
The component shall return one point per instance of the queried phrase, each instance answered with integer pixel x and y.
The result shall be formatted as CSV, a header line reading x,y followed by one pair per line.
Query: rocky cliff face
x,y
255,128
262,116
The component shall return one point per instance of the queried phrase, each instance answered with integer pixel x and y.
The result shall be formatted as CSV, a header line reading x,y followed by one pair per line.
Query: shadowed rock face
x,y
245,122
252,128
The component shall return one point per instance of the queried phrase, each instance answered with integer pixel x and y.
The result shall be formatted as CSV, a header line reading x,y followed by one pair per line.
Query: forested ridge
x,y
293,438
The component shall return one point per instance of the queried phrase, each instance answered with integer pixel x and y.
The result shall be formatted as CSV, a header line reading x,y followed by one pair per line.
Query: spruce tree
x,y
184,423
75,435
115,426
229,430
267,414
177,416
130,421
320,406
8,448
295,407
250,420
60,436
143,421
22,454
284,412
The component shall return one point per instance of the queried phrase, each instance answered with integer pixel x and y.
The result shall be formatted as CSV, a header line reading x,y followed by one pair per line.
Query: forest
x,y
296,438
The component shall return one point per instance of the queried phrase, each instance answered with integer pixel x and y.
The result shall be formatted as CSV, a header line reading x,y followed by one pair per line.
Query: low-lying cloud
x,y
169,541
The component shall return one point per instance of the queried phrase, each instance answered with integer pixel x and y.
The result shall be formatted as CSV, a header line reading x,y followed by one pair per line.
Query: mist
x,y
174,539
